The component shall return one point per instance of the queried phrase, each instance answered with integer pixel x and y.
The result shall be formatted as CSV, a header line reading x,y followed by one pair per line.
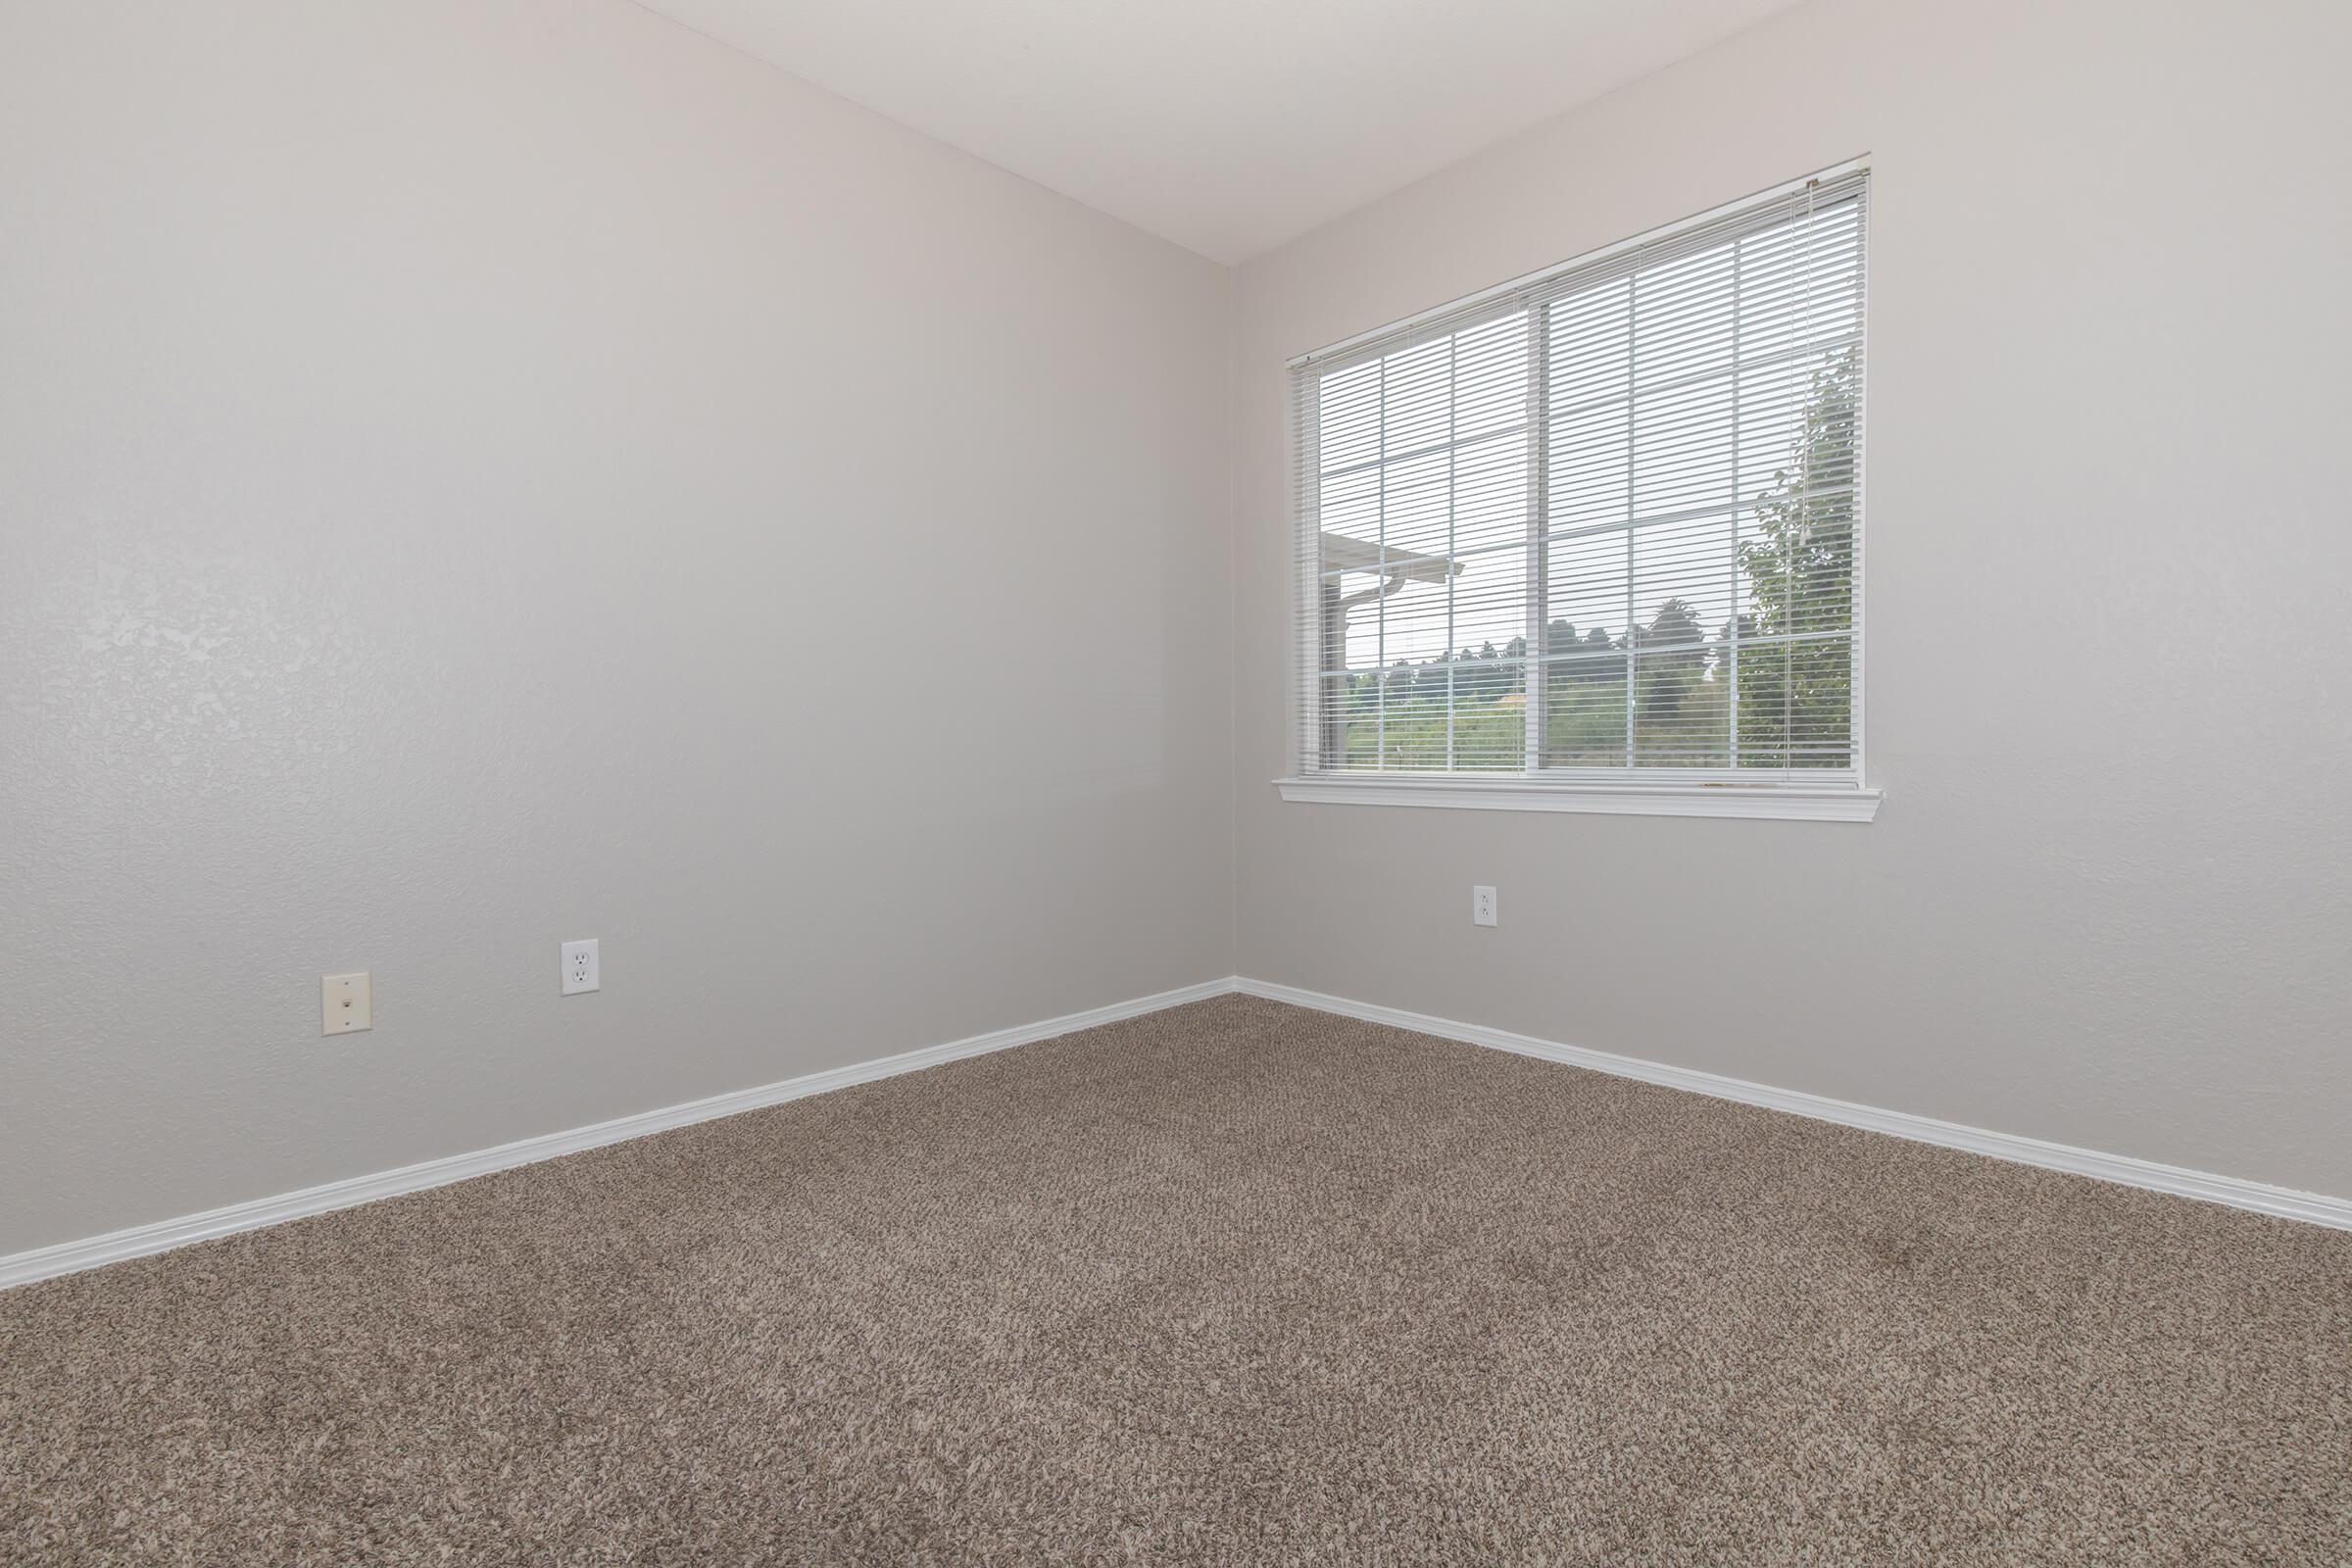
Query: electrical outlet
x,y
1482,906
580,969
346,1004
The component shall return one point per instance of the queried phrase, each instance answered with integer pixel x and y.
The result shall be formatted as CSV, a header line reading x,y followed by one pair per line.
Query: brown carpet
x,y
1231,1284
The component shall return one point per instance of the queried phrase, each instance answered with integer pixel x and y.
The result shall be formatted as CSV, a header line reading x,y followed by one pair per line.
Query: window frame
x,y
1840,794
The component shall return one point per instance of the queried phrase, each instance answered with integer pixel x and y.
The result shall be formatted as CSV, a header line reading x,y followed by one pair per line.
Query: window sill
x,y
1793,803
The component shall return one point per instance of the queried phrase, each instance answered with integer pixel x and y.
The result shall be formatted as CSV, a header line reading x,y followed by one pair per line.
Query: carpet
x,y
1233,1283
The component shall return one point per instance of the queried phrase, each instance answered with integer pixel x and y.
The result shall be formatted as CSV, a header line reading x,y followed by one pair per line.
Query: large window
x,y
1599,531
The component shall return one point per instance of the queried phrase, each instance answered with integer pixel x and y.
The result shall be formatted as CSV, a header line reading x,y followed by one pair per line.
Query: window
x,y
1593,540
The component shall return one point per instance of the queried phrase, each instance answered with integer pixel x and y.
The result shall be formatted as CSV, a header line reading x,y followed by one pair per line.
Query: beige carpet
x,y
1232,1284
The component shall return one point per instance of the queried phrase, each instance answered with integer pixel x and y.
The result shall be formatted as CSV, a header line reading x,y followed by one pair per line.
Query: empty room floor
x,y
1235,1282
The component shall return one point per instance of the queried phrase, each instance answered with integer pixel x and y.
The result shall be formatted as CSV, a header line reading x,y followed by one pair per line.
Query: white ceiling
x,y
1226,126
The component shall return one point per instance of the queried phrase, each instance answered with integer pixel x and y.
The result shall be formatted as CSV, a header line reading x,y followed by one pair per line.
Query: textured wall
x,y
477,474
2107,899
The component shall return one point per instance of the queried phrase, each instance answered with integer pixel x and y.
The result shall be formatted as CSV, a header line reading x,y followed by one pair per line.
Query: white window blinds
x,y
1601,526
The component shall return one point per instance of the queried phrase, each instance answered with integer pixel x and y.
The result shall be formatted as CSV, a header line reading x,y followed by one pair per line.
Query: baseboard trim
x,y
162,1236
2258,1197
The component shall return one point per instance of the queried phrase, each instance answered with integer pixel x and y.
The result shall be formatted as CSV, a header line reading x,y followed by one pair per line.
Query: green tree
x,y
1672,658
1796,686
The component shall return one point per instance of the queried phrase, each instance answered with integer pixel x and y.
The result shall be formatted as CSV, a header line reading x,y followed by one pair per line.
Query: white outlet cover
x,y
581,970
1482,906
346,1003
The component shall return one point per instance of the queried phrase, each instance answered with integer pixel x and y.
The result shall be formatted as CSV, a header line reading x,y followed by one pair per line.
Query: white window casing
x,y
1591,541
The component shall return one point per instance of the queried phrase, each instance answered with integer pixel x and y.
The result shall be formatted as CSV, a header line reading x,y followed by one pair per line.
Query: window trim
x,y
1840,796
1518,792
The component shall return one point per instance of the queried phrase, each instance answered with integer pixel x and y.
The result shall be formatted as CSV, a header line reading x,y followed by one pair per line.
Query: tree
x,y
1671,659
1482,677
1795,688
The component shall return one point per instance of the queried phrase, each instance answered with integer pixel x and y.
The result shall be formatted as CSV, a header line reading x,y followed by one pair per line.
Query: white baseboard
x,y
67,1257
2262,1198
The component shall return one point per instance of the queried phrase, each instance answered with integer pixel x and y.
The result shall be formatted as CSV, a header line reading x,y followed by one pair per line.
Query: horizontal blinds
x,y
1606,520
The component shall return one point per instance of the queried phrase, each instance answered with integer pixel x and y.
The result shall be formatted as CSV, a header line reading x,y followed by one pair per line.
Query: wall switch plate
x,y
580,969
1482,906
346,1004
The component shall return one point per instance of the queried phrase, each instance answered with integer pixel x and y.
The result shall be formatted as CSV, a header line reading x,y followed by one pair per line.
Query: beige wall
x,y
2107,899
478,474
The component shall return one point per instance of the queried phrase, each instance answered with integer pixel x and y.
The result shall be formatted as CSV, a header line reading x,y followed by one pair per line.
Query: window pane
x,y
1590,592
1423,511
1682,316
1490,721
1682,442
1686,578
1797,551
1583,711
1416,503
1348,417
1490,492
1795,704
1414,622
1416,402
1489,604
1415,728
1355,734
1590,467
1589,336
1682,704
1490,378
